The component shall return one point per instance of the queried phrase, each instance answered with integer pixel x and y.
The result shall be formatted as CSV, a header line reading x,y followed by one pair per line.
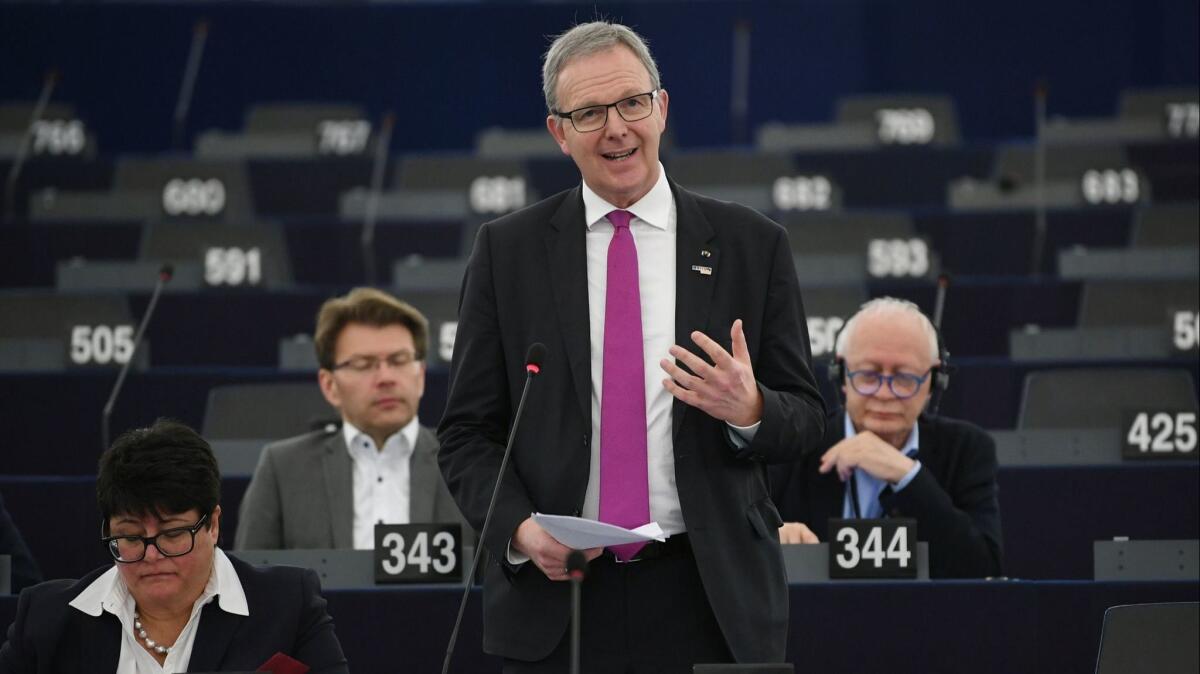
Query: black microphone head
x,y
166,272
534,357
576,564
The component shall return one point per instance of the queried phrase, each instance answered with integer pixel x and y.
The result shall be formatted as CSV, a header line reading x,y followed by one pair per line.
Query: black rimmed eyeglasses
x,y
364,364
594,117
902,385
129,548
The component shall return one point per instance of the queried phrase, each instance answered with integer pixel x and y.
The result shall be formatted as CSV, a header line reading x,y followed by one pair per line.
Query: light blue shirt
x,y
870,487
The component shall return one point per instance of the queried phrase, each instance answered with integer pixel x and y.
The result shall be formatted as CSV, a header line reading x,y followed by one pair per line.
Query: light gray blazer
x,y
302,494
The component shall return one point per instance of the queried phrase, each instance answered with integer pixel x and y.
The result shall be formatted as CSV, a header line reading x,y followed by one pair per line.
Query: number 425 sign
x,y
1159,434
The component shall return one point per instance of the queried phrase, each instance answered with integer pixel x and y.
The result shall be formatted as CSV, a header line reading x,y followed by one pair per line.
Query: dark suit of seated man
x,y
328,489
939,471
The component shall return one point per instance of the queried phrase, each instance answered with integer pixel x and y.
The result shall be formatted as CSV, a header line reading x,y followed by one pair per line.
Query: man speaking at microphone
x,y
676,368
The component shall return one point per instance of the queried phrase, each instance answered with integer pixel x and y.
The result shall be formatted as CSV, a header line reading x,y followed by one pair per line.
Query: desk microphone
x,y
576,570
533,365
164,276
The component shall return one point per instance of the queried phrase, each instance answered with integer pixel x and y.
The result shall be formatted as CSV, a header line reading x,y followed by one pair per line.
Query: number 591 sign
x,y
884,548
418,553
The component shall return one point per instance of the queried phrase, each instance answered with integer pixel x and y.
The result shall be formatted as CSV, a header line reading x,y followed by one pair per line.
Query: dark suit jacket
x,y
302,493
24,569
287,613
526,282
953,497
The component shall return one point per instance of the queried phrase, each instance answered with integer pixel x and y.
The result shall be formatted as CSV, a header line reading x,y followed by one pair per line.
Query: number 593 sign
x,y
418,553
884,548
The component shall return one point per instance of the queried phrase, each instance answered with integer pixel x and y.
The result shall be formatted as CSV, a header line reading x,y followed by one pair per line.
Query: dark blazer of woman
x,y
287,614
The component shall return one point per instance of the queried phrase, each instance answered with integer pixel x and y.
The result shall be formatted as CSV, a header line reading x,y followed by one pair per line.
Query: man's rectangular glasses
x,y
902,384
594,117
176,542
363,364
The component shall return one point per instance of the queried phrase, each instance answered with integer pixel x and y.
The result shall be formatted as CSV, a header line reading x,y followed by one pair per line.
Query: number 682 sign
x,y
418,553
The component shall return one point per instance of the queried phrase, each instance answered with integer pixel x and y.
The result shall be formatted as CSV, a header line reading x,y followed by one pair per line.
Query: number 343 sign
x,y
418,553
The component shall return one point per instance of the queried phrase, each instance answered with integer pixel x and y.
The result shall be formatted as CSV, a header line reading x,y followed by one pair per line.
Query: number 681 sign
x,y
418,553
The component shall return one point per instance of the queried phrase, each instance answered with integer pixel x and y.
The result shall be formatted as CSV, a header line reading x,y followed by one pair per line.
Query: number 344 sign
x,y
883,548
418,553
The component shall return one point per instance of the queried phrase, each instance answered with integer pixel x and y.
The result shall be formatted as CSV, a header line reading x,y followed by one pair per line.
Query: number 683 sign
x,y
418,553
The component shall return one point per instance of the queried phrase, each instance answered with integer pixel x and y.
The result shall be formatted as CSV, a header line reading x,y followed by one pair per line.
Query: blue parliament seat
x,y
1097,397
869,121
515,143
231,255
158,188
744,176
240,419
1115,303
305,189
57,132
292,130
1143,115
1172,169
1150,637
1076,176
1167,225
445,186
266,411
47,331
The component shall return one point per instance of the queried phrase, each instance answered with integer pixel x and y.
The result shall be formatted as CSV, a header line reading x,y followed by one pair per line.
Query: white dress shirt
x,y
654,231
382,485
109,593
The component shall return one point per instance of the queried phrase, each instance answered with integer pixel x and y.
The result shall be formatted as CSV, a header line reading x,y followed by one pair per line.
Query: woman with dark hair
x,y
172,601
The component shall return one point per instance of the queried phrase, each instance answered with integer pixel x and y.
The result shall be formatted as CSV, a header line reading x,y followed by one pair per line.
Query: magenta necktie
x,y
624,485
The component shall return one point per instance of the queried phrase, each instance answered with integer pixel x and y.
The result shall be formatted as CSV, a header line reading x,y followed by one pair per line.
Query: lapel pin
x,y
705,253
705,271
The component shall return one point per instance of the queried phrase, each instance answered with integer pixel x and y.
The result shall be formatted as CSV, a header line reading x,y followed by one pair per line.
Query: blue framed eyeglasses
x,y
902,385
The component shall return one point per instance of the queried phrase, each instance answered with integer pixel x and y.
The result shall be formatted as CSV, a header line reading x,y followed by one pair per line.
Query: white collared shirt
x,y
654,233
382,484
109,593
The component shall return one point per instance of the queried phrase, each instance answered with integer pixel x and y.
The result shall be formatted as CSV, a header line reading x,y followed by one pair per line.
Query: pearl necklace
x,y
150,643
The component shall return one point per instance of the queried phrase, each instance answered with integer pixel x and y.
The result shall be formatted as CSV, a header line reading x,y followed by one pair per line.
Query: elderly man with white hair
x,y
903,461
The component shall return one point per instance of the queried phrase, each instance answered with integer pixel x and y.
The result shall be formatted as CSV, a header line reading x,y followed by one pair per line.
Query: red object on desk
x,y
282,664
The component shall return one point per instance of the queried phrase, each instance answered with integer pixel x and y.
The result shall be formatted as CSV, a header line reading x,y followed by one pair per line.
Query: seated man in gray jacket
x,y
329,488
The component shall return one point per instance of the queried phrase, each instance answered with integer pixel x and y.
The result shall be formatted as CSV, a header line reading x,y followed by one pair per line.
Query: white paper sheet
x,y
581,534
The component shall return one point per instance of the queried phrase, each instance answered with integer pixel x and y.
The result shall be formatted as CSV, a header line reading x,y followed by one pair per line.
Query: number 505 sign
x,y
418,553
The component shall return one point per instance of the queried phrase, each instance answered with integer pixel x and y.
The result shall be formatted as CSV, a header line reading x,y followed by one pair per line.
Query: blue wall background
x,y
451,69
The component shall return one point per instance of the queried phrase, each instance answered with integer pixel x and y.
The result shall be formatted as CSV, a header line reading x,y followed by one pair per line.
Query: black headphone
x,y
836,371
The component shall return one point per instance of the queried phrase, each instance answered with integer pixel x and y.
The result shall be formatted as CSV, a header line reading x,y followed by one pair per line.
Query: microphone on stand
x,y
164,276
533,365
576,570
